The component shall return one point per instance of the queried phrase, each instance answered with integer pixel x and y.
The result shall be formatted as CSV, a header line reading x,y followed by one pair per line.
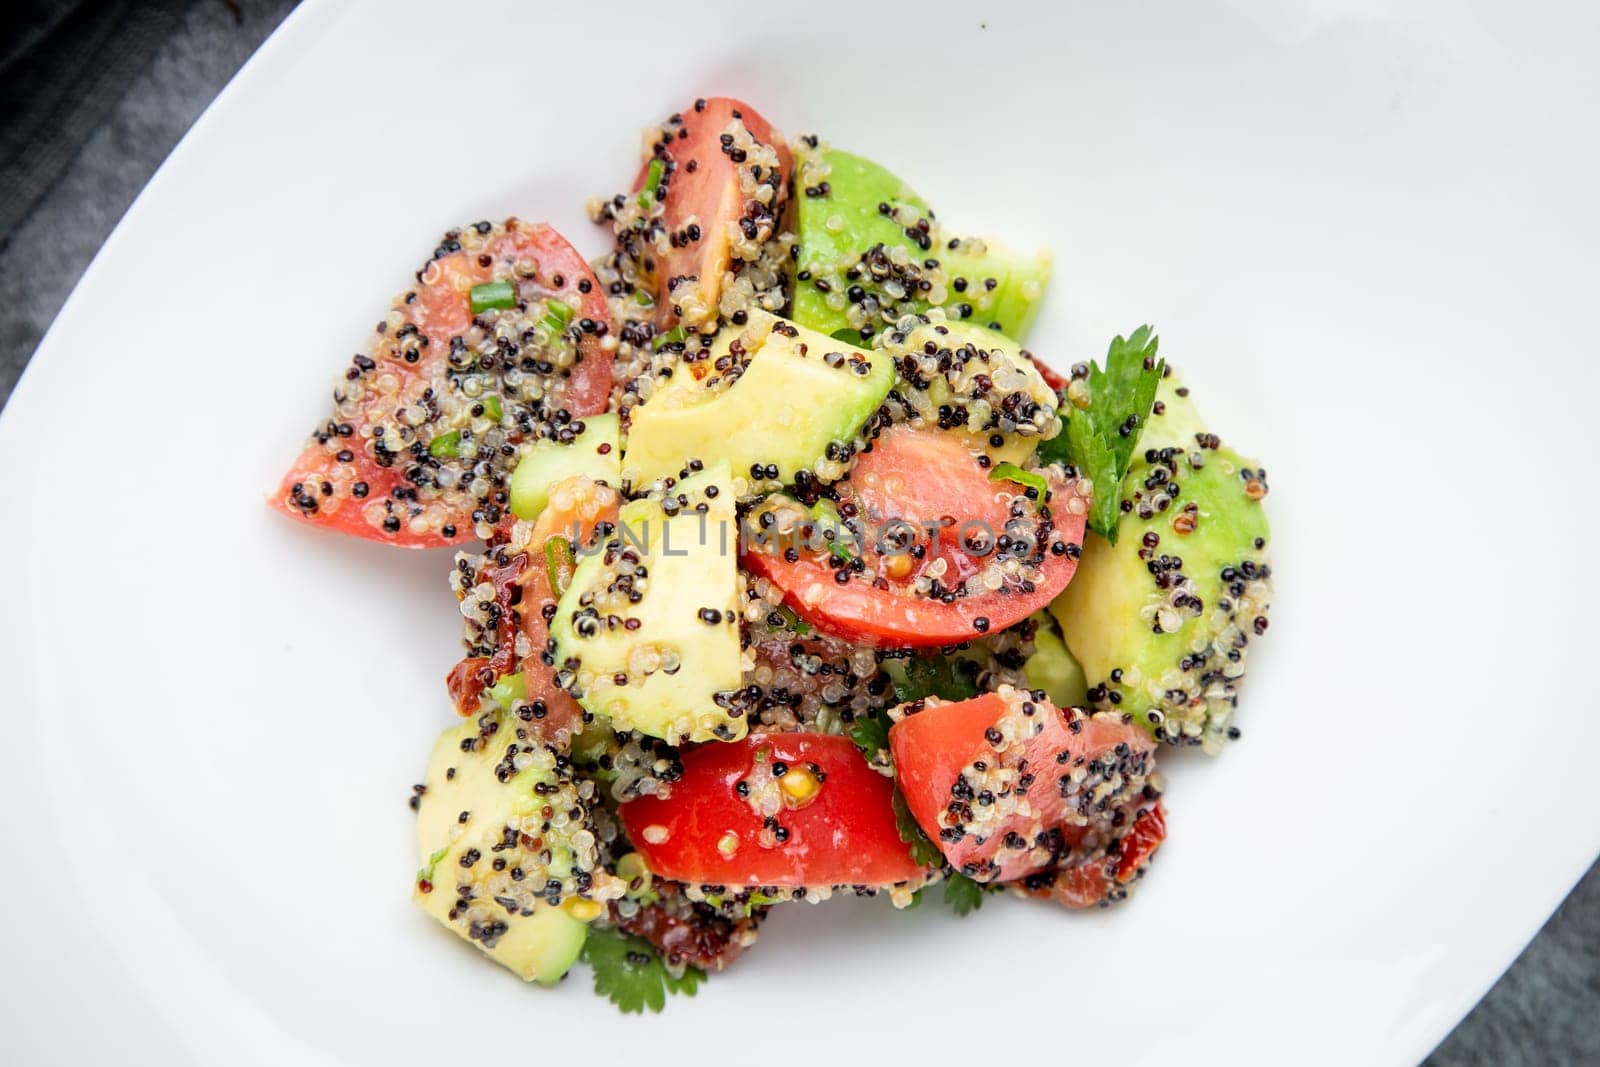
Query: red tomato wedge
x,y
1009,785
384,465
921,477
713,158
736,818
518,570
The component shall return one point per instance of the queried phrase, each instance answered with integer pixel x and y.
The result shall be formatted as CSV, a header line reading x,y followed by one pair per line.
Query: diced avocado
x,y
1162,620
488,788
799,393
1005,408
647,634
866,241
1053,668
595,452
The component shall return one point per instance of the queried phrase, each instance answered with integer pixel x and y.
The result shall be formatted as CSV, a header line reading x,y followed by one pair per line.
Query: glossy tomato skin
x,y
925,476
343,481
707,833
1009,785
702,187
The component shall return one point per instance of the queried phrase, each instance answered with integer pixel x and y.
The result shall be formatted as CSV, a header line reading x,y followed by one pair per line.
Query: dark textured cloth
x,y
89,182
100,139
64,64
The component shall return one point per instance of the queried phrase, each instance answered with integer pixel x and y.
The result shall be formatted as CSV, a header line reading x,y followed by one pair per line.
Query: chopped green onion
x,y
446,445
824,512
652,182
557,315
425,874
558,562
644,298
1010,472
675,336
795,622
493,295
492,408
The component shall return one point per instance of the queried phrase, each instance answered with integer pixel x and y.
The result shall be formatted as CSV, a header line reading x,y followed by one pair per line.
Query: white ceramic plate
x,y
1366,236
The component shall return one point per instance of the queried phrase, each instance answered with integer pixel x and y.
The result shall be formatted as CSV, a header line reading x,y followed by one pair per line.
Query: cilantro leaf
x,y
932,676
688,984
963,894
923,851
1055,450
629,973
1101,438
871,735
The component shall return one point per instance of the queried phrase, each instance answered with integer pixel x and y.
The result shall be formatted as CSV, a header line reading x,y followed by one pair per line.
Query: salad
x,y
784,569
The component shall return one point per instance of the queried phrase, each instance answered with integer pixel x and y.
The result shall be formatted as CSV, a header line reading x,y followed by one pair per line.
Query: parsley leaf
x,y
963,894
1101,438
629,973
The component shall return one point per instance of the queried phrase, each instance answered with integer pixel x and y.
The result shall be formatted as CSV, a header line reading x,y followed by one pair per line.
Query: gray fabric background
x,y
168,66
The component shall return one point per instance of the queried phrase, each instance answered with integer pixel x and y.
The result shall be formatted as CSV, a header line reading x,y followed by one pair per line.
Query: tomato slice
x,y
373,469
705,205
517,567
973,582
1009,785
734,820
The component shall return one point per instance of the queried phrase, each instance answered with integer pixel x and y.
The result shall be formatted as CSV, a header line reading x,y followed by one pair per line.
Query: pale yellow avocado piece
x,y
800,391
540,947
663,675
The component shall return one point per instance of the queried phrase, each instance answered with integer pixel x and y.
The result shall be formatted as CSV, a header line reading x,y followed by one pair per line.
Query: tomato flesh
x,y
1008,785
387,486
709,196
922,476
706,833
